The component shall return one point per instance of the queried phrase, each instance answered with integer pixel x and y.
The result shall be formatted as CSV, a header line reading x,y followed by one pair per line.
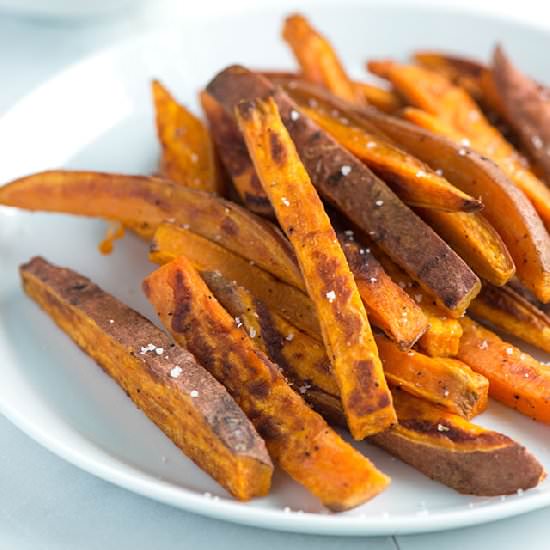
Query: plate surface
x,y
97,115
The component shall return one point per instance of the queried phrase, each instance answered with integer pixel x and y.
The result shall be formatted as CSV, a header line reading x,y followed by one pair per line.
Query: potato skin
x,y
209,428
361,196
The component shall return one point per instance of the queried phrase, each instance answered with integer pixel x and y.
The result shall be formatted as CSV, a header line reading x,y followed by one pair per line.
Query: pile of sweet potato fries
x,y
332,253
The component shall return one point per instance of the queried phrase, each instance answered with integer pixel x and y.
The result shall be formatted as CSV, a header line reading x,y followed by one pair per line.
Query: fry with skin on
x,y
210,428
437,95
441,445
475,240
507,310
412,180
234,156
362,197
171,241
344,325
296,437
187,153
145,202
515,378
317,59
445,382
521,228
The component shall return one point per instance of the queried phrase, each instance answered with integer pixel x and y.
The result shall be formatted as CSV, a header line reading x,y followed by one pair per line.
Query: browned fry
x,y
317,59
365,199
521,228
296,437
210,428
437,95
171,241
187,153
475,241
330,284
507,310
234,156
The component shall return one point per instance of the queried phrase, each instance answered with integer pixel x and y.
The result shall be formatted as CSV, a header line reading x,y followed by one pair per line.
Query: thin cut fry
x,y
187,153
515,378
296,437
346,331
318,60
507,310
437,95
475,240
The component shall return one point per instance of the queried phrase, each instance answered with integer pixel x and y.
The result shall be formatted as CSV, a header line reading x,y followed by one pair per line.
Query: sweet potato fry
x,y
515,378
159,378
443,333
507,310
445,382
187,152
462,71
526,107
344,181
445,447
438,96
171,241
317,59
475,240
412,180
296,437
521,228
234,156
330,284
145,202
388,306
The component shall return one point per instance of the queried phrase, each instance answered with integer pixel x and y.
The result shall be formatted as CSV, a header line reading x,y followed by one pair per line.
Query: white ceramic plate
x,y
98,115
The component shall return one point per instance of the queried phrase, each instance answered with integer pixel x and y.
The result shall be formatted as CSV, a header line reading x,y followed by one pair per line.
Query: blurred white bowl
x,y
66,8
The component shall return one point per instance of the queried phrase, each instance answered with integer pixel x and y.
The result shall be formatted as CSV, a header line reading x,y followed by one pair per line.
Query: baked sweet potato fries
x,y
328,252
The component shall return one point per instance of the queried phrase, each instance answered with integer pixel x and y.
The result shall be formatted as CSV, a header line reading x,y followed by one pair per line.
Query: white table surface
x,y
46,503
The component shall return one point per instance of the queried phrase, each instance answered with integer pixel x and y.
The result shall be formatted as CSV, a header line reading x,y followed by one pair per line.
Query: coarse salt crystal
x,y
371,145
294,115
303,389
379,203
462,152
159,351
290,337
252,332
175,372
484,344
348,233
442,428
446,393
537,142
526,375
421,174
238,322
346,169
186,226
194,393
331,296
509,351
373,279
439,172
111,321
465,142
148,347
418,298
285,201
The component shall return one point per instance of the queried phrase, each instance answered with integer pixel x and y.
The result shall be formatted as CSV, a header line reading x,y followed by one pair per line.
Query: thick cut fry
x,y
159,378
475,240
344,181
462,71
187,153
431,123
437,95
388,306
318,60
296,437
521,228
445,447
526,107
146,202
505,309
443,333
234,156
412,180
171,241
330,284
515,378
454,452
445,382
